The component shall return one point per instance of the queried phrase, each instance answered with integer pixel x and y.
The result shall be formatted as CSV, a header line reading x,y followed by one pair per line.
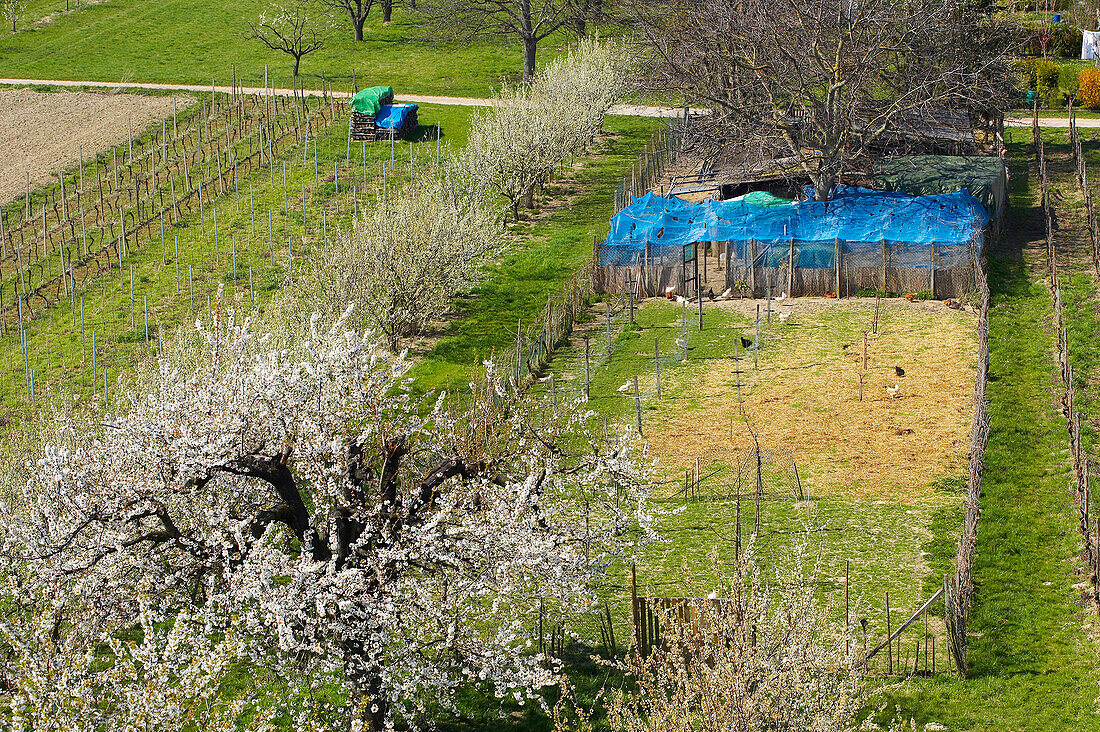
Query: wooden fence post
x,y
836,264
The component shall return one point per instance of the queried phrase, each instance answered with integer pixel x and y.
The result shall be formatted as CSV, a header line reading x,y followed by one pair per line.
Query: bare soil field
x,y
893,439
44,133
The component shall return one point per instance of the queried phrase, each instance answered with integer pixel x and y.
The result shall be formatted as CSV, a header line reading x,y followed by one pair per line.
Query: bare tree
x,y
528,20
357,11
287,28
823,83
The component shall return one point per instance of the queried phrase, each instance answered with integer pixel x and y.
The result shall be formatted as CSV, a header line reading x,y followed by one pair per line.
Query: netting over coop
x,y
375,116
859,240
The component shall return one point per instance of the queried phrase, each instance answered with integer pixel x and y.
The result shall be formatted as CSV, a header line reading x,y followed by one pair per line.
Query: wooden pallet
x,y
363,127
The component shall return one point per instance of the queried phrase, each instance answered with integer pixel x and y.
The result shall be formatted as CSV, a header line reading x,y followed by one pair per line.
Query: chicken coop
x,y
859,241
376,116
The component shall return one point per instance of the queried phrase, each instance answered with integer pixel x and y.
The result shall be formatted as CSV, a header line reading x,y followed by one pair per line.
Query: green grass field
x,y
192,42
1034,664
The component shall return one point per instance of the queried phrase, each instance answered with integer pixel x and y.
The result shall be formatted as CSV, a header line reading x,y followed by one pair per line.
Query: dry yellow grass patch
x,y
805,398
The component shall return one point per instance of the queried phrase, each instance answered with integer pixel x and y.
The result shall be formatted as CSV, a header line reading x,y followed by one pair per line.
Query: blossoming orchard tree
x,y
293,515
529,129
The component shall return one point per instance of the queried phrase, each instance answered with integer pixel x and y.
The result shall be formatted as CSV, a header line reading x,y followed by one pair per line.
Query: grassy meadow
x,y
192,42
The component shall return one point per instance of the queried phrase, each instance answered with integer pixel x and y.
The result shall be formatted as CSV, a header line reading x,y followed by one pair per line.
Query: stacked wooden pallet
x,y
363,127
408,126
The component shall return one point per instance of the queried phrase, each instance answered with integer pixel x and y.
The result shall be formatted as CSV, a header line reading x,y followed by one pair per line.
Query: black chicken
x,y
899,371
746,342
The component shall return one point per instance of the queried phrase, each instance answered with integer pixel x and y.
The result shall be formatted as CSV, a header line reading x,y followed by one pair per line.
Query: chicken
x,y
783,317
893,391
910,296
670,292
625,386
710,293
680,300
781,298
725,293
746,342
899,371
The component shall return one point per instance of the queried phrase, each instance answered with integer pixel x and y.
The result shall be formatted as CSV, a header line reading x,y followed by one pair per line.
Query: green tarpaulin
x,y
370,100
924,175
763,198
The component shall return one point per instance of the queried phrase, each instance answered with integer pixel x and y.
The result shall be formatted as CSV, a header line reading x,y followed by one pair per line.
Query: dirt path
x,y
630,110
46,132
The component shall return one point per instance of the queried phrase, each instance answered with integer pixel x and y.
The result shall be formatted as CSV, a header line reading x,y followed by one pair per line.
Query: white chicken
x,y
893,391
625,386
781,298
783,316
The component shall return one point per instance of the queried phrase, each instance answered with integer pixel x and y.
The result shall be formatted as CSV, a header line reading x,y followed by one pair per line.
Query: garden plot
x,y
878,495
854,431
46,132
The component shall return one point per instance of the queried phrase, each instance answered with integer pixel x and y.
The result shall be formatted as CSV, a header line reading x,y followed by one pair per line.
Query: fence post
x,y
752,266
836,264
889,646
884,266
790,271
587,371
638,407
932,270
634,609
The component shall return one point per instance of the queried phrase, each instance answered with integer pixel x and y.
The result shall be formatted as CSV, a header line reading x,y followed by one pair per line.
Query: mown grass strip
x,y
1032,665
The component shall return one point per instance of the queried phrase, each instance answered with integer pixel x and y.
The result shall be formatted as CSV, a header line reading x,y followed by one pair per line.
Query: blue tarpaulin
x,y
853,218
392,116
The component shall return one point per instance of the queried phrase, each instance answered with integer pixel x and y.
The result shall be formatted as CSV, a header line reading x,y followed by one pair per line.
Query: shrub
x,y
1026,69
1088,87
764,657
1046,75
1046,81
